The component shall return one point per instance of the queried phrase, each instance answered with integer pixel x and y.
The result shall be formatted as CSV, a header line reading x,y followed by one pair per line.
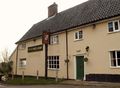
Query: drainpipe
x,y
16,60
67,54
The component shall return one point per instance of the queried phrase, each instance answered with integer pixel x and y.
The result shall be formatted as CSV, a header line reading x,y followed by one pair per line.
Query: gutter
x,y
16,60
67,60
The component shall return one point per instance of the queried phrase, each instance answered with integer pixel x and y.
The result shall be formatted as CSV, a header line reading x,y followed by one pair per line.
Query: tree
x,y
5,55
6,65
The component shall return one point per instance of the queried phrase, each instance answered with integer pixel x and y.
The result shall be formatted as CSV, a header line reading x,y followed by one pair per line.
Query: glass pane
x,y
54,58
116,25
113,54
80,34
57,57
57,62
50,66
118,54
57,66
50,62
118,61
54,66
113,62
54,62
110,26
76,35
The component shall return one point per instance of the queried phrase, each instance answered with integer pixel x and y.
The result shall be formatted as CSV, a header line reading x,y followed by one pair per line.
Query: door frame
x,y
75,69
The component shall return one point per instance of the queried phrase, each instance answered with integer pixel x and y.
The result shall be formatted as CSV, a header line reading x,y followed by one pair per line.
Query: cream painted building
x,y
84,43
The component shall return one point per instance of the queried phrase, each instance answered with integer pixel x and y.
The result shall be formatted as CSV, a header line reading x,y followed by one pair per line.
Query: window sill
x,y
75,40
54,44
22,67
113,32
118,67
53,69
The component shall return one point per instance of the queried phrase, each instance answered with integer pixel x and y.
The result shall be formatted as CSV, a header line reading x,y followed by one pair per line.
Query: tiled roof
x,y
85,13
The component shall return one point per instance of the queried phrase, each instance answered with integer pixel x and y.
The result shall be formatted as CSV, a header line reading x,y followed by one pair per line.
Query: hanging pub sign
x,y
46,37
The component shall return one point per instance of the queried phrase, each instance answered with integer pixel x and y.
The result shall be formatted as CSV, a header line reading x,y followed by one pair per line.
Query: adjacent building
x,y
84,43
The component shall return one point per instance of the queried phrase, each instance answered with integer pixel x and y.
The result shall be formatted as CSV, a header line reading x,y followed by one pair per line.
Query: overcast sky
x,y
17,17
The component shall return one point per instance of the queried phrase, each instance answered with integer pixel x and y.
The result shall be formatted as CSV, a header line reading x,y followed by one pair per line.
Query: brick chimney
x,y
52,9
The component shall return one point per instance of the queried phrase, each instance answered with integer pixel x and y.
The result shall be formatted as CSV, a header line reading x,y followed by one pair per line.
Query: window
x,y
22,46
53,62
114,26
54,39
115,58
78,35
22,62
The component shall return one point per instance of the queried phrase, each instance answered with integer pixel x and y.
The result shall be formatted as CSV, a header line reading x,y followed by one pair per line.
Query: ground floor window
x,y
22,62
115,58
53,62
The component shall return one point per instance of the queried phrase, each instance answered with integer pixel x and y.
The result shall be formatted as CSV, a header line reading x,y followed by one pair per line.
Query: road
x,y
54,86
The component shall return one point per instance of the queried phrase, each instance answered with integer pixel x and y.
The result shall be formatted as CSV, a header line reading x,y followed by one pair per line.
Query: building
x,y
84,43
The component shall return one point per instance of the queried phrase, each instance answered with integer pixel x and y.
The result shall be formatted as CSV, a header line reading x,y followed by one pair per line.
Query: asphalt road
x,y
54,86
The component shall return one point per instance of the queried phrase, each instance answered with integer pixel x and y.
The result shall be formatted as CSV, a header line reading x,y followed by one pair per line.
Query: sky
x,y
18,16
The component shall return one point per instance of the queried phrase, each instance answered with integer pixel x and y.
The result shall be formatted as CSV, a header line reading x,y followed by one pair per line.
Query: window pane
x,y
110,26
113,54
54,66
113,59
80,34
113,62
50,66
118,54
76,35
57,62
116,25
57,66
118,60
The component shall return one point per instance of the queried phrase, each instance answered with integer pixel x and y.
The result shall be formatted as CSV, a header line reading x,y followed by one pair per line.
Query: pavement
x,y
91,83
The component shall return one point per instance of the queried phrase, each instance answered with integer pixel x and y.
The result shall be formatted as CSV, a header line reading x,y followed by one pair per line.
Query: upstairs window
x,y
54,39
115,58
114,26
22,62
78,35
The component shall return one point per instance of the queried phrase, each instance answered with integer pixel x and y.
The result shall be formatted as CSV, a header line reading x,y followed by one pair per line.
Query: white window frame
x,y
78,34
52,64
54,39
113,23
116,59
22,62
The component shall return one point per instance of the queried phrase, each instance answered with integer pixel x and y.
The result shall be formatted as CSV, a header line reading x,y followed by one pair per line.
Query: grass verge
x,y
31,81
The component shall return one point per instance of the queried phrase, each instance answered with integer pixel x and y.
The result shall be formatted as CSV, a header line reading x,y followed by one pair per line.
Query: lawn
x,y
31,81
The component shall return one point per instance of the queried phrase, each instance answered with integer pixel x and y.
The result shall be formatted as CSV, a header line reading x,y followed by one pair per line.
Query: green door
x,y
80,67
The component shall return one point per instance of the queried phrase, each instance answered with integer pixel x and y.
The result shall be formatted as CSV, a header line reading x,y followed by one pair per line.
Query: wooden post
x,y
45,40
46,55
12,75
56,79
37,74
22,75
